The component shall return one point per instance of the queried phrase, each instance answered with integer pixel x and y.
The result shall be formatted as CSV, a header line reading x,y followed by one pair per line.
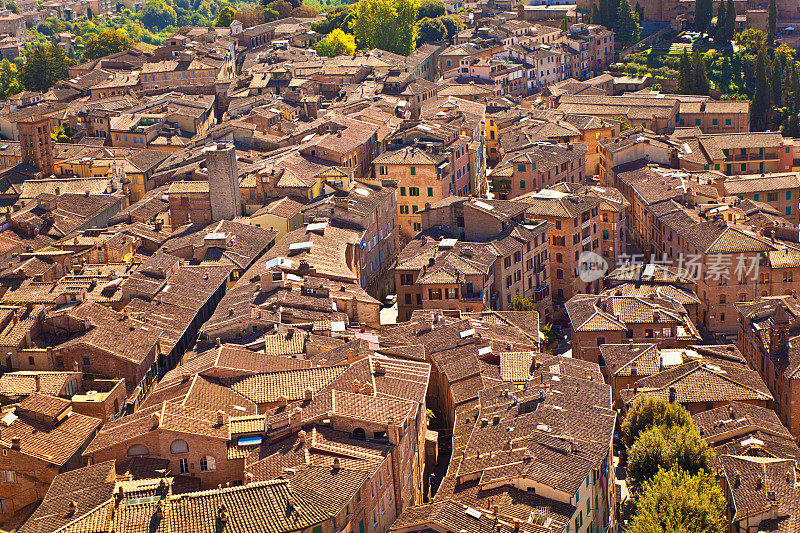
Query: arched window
x,y
521,184
137,450
359,434
208,464
179,446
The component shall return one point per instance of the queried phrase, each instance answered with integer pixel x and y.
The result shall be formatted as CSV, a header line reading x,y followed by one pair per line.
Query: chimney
x,y
363,327
15,443
38,380
16,316
673,394
308,394
495,420
336,464
73,505
220,417
156,419
248,478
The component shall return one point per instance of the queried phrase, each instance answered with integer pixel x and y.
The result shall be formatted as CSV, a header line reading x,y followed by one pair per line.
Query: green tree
x,y
701,85
454,25
627,27
431,30
663,448
772,21
284,9
431,9
605,14
270,15
158,14
685,74
89,13
760,106
677,501
339,17
386,24
703,13
719,29
596,15
105,43
225,17
9,79
730,20
337,43
646,412
564,24
44,65
11,6
521,304
640,12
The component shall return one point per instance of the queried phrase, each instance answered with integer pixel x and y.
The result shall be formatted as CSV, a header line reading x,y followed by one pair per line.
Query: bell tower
x,y
36,143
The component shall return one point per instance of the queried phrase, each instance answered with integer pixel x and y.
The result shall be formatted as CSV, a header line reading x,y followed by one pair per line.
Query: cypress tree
x,y
605,19
627,27
701,85
685,75
703,13
777,80
730,21
772,21
759,110
596,15
719,30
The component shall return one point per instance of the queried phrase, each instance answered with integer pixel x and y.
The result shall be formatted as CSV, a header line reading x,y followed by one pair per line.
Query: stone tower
x,y
223,181
36,143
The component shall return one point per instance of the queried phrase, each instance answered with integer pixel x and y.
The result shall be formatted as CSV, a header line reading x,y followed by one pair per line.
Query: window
x,y
413,171
727,122
559,258
402,191
520,168
430,191
414,209
9,476
697,122
31,361
179,446
317,529
86,360
522,184
137,450
413,191
605,234
417,226
208,464
756,197
788,210
183,465
3,506
559,274
788,195
406,279
714,121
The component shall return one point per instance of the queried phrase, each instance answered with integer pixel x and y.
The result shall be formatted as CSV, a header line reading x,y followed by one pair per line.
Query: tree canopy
x,y
431,9
386,24
158,14
627,27
105,43
663,448
676,501
225,17
431,30
646,412
703,13
44,65
337,43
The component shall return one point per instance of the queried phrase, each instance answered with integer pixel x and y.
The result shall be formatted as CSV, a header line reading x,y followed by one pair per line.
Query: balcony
x,y
472,296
